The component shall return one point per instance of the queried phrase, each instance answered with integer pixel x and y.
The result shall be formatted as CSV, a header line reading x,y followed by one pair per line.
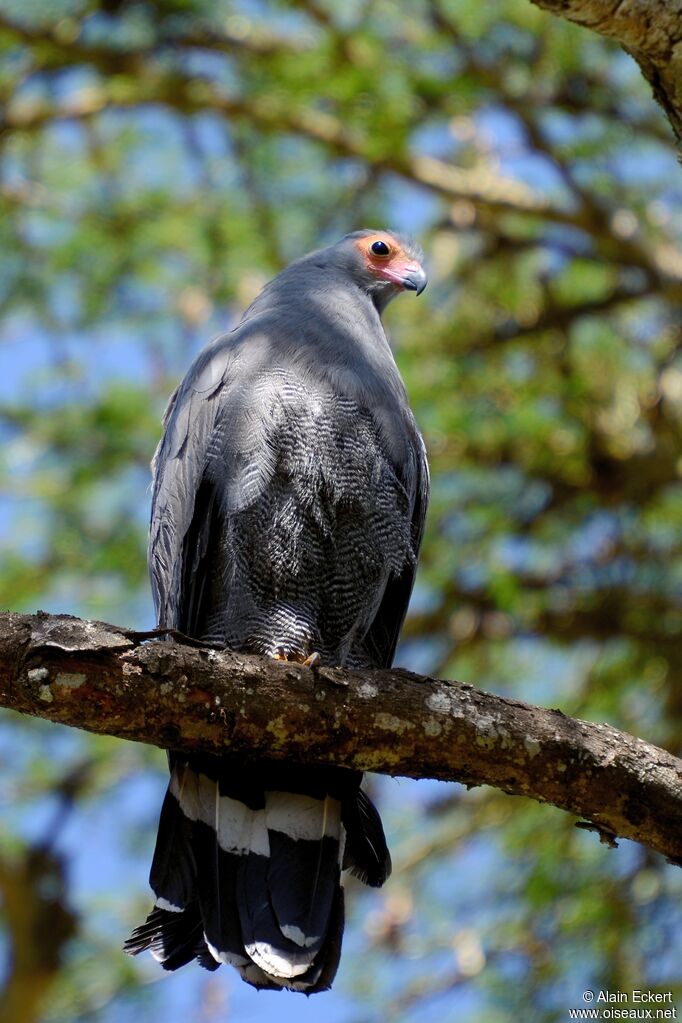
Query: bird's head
x,y
383,264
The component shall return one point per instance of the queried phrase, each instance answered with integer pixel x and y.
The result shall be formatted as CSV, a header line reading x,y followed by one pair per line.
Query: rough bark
x,y
649,30
104,679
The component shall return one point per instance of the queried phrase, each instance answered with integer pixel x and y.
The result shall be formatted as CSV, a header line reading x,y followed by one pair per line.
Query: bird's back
x,y
304,565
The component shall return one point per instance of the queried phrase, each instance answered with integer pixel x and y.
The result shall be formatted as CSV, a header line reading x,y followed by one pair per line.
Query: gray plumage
x,y
290,490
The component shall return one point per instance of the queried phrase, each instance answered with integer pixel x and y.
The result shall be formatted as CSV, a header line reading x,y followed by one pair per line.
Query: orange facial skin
x,y
395,265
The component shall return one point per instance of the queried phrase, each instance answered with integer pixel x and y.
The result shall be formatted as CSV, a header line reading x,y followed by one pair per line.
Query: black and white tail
x,y
247,869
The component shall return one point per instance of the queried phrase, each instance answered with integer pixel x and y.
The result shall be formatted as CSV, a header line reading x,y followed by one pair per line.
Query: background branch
x,y
104,679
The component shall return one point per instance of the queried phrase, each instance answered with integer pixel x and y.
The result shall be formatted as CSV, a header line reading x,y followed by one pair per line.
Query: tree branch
x,y
105,679
649,30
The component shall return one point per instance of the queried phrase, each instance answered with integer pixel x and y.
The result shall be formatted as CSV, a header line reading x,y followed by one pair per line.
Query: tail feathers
x,y
217,872
331,951
285,899
320,975
306,849
173,870
254,976
322,972
256,883
366,856
278,886
174,939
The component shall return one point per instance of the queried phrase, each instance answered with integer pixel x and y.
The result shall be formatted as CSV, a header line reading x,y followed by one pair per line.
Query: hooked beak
x,y
409,276
415,279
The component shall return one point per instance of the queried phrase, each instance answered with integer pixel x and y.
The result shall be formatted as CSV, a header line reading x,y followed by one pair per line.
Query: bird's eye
x,y
380,248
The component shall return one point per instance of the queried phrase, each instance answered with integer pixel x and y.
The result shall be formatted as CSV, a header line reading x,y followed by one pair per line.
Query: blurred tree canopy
x,y
159,161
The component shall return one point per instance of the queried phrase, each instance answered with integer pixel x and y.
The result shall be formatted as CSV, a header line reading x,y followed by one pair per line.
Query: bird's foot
x,y
312,661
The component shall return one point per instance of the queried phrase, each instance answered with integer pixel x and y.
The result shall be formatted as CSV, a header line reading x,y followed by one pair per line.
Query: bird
x,y
290,489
